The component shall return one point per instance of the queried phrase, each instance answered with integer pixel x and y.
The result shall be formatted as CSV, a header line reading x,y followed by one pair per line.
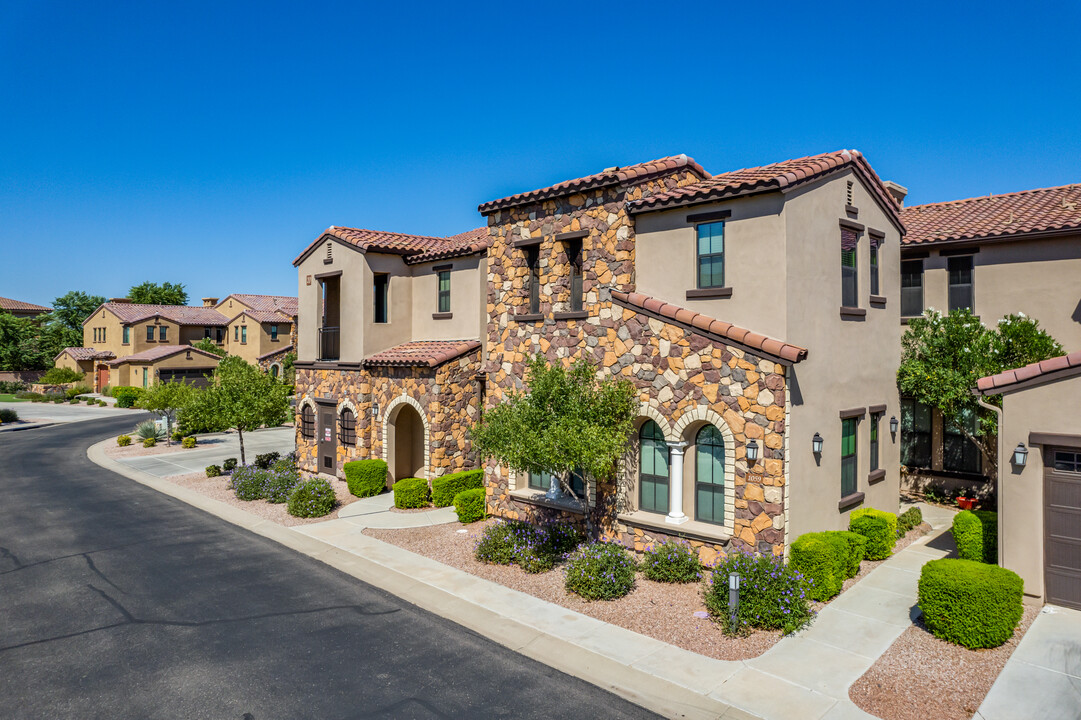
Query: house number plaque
x,y
751,477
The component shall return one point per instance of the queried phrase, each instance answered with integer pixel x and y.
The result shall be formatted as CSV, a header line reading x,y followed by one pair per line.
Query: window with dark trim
x,y
915,434
542,481
873,278
273,333
848,456
849,271
532,259
574,256
236,333
348,432
243,334
444,291
382,282
221,334
960,270
127,335
710,255
873,454
150,333
911,288
163,333
709,476
307,422
959,454
206,333
1067,461
652,469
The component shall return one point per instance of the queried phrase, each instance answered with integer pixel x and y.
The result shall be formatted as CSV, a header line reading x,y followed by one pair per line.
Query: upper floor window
x,y
911,288
875,417
652,469
960,269
163,333
236,333
532,259
709,476
574,256
206,333
274,333
382,283
103,334
444,291
150,333
848,456
127,334
849,273
711,255
243,334
873,279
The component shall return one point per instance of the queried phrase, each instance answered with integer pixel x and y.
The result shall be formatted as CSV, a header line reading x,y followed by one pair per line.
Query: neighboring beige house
x,y
756,312
995,255
18,308
1039,496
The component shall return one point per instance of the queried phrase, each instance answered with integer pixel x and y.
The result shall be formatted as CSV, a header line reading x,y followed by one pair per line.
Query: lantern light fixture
x,y
816,444
1020,455
893,425
752,451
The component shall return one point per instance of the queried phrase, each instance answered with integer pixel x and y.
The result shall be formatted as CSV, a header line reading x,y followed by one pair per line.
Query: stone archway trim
x,y
648,411
701,413
404,399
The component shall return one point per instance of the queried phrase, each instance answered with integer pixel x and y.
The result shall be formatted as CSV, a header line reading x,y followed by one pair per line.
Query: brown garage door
x,y
1062,525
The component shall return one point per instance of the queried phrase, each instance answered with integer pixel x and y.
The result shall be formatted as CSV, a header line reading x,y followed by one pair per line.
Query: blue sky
x,y
208,143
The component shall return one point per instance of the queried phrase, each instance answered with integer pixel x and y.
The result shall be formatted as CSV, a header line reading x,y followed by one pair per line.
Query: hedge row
x,y
880,529
470,505
411,493
827,559
366,478
447,487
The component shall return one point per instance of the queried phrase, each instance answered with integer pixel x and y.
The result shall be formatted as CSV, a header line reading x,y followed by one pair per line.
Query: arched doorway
x,y
405,443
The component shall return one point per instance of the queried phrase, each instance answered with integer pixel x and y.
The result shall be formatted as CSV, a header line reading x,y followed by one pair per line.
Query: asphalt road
x,y
119,602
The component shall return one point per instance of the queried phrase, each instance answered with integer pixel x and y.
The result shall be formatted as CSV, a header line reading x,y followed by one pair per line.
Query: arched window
x,y
273,371
307,422
652,469
709,476
348,432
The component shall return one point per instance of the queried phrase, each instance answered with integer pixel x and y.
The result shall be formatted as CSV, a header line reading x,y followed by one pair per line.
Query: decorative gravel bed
x,y
218,488
136,448
920,676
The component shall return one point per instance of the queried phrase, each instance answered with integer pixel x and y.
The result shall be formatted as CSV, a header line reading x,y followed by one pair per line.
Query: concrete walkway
x,y
1042,679
213,449
375,512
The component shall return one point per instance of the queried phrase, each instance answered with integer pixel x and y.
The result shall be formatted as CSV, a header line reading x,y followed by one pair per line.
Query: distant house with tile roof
x,y
18,308
756,313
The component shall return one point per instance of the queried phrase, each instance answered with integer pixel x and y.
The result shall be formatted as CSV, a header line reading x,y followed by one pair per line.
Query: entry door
x,y
328,439
103,378
1062,525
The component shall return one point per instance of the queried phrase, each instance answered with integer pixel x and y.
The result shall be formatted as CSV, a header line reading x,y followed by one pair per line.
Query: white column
x,y
675,483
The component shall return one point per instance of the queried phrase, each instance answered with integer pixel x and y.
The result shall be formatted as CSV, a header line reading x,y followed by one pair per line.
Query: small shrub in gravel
x,y
772,595
312,498
149,429
600,571
470,505
248,483
57,401
822,558
561,538
123,440
213,470
280,479
411,493
150,442
445,488
536,548
970,603
976,535
229,465
671,562
188,442
496,543
8,415
366,478
264,461
907,520
73,401
880,529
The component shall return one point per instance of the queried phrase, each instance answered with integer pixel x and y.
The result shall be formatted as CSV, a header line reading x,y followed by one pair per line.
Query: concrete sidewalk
x,y
213,449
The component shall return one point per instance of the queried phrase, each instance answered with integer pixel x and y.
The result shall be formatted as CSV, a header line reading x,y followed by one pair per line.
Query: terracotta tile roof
x,y
161,352
272,353
422,353
267,303
20,306
993,216
180,314
85,353
611,176
709,327
776,176
265,316
415,248
995,384
467,243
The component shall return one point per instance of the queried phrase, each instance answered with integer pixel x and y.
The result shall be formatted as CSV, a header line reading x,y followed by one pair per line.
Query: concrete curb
x,y
25,426
609,657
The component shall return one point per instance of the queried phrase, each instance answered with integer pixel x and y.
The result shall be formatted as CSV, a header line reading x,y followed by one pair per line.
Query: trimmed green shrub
x,y
73,401
60,376
150,442
366,478
535,548
410,493
248,483
857,551
188,442
445,488
772,595
470,505
229,465
177,435
822,558
123,440
671,562
312,498
74,392
264,461
880,529
8,415
976,535
908,519
213,470
600,571
561,538
127,395
970,603
58,400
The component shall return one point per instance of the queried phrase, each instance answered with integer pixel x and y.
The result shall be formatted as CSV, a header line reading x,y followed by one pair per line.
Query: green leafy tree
x,y
567,421
22,346
166,400
210,346
166,293
240,396
942,357
61,376
70,311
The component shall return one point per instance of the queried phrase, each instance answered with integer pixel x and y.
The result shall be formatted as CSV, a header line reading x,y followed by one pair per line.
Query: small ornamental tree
x,y
567,422
166,400
240,396
151,293
942,357
209,346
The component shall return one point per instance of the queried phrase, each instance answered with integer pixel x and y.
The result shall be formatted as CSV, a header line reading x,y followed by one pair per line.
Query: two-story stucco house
x,y
756,312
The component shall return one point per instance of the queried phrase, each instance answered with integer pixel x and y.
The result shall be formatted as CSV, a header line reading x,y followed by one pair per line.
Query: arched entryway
x,y
405,438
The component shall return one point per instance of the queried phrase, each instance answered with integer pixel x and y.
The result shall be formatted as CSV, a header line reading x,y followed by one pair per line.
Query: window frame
x,y
381,301
126,335
872,276
532,260
711,486
850,461
654,479
699,256
911,437
968,288
906,274
850,273
307,422
150,333
347,431
873,447
959,454
443,294
243,334
163,333
575,252
541,481
1066,462
273,333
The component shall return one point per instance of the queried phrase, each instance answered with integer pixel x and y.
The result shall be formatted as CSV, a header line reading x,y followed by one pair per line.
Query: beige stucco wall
x,y
399,326
351,264
467,299
1048,408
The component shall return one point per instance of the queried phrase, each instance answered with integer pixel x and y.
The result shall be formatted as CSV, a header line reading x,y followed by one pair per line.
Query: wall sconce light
x,y
752,451
1020,455
375,409
816,444
893,425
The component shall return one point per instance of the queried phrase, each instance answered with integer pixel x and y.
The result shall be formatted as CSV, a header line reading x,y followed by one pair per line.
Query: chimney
x,y
210,302
899,192
120,300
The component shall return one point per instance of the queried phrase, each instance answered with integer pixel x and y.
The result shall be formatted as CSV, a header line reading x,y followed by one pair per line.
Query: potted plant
x,y
964,502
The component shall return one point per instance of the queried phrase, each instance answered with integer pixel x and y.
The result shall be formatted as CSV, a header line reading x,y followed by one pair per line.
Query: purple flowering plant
x,y
772,595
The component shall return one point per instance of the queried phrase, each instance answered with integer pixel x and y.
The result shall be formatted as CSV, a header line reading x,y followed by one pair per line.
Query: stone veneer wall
x,y
447,394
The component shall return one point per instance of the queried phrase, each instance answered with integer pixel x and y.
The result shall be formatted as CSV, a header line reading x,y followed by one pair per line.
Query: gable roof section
x,y
180,314
160,353
20,306
710,328
415,248
422,353
272,353
1027,212
261,316
266,303
631,174
85,353
773,177
1020,378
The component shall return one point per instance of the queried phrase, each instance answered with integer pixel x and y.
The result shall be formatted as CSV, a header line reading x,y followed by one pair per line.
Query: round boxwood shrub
x,y
880,529
249,483
447,487
312,498
229,465
671,562
970,603
188,442
213,470
822,558
411,493
772,595
470,505
123,440
366,478
976,535
600,571
150,442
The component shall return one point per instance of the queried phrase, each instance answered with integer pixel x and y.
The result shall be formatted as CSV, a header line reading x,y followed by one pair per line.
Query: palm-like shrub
x,y
149,429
